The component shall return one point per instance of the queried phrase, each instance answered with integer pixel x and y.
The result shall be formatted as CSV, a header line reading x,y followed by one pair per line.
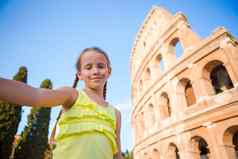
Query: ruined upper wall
x,y
158,25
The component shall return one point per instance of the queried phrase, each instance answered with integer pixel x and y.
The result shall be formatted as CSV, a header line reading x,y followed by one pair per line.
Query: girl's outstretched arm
x,y
19,93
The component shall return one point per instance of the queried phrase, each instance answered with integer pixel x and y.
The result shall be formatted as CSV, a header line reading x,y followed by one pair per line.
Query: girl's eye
x,y
101,66
87,67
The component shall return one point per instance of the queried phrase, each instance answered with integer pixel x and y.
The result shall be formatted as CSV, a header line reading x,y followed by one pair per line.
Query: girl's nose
x,y
95,70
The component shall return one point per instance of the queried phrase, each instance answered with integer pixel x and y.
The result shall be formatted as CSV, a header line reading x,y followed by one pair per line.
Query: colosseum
x,y
185,101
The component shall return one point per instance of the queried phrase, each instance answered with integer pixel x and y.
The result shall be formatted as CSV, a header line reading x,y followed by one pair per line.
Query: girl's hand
x,y
22,94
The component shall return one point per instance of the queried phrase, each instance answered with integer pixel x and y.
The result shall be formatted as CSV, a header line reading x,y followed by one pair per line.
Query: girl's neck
x,y
95,92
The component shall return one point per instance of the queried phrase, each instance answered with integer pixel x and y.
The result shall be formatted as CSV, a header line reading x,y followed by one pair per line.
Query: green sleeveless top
x,y
86,116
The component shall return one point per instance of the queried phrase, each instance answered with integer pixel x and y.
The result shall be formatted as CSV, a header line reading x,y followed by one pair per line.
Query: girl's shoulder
x,y
72,94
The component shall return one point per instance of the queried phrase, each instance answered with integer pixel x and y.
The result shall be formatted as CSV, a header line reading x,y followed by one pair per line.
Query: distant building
x,y
185,101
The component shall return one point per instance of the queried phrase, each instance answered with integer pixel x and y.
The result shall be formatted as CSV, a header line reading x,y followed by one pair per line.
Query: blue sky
x,y
47,35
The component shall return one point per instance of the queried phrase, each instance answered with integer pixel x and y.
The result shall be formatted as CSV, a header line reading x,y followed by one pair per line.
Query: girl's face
x,y
94,69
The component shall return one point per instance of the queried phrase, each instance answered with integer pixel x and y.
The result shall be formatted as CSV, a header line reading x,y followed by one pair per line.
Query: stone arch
x,y
175,47
200,148
148,74
164,106
146,77
230,140
150,122
173,152
140,85
216,73
151,114
159,62
185,92
141,125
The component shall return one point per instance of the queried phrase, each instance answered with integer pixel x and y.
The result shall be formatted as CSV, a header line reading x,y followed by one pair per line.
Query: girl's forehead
x,y
93,56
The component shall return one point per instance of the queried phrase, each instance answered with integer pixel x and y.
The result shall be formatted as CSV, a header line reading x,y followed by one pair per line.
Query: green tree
x,y
34,140
10,116
127,155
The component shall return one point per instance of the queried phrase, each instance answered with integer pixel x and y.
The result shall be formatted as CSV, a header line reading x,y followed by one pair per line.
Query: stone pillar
x,y
172,152
177,99
181,100
189,149
187,37
189,154
233,76
216,148
168,55
231,51
229,151
202,86
156,111
155,70
164,107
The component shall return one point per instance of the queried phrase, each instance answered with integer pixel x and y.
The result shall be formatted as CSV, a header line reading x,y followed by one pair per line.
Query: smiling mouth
x,y
96,78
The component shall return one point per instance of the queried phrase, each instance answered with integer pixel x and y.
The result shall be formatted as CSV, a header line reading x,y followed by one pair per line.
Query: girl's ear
x,y
79,75
109,70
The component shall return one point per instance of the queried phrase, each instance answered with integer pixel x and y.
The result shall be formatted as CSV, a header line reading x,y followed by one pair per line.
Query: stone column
x,y
189,149
189,154
172,152
231,51
168,56
232,74
187,37
227,151
202,86
217,150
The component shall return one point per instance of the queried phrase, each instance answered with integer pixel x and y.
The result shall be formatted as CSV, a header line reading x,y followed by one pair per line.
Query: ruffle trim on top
x,y
79,119
87,111
70,130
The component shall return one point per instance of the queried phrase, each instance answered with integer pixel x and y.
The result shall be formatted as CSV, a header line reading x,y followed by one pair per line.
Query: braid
x,y
75,81
105,91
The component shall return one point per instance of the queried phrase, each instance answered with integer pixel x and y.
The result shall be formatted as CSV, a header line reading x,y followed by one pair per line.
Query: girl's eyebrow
x,y
87,64
90,63
99,63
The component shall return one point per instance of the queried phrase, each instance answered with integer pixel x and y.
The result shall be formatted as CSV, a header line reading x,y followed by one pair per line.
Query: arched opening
x,y
173,152
201,147
151,114
217,76
146,78
148,74
164,105
140,86
220,79
176,47
185,93
141,125
230,140
159,63
189,94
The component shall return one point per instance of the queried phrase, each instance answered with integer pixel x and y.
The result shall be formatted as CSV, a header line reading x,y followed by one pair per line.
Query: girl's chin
x,y
95,85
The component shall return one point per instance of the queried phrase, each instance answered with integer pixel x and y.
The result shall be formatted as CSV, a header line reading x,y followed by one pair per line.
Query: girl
x,y
89,127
